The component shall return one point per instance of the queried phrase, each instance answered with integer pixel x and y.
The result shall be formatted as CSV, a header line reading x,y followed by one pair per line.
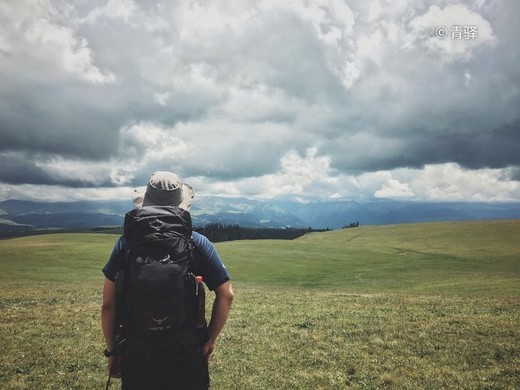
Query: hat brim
x,y
188,195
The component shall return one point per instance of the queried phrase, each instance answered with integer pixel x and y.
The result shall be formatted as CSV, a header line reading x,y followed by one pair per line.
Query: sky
x,y
308,100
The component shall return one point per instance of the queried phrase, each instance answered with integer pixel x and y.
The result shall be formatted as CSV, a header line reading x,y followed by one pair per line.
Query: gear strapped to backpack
x,y
161,294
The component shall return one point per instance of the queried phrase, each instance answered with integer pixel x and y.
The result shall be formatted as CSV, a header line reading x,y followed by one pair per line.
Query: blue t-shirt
x,y
212,269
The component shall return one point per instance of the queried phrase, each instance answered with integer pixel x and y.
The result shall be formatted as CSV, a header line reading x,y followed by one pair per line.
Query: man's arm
x,y
219,315
108,318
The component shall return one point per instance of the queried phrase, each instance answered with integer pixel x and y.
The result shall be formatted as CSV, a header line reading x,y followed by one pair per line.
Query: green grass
x,y
421,306
436,258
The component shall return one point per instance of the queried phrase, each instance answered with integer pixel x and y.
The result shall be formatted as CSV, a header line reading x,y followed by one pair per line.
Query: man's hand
x,y
207,350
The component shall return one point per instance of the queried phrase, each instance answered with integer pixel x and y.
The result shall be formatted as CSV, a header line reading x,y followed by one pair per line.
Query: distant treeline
x,y
351,225
217,232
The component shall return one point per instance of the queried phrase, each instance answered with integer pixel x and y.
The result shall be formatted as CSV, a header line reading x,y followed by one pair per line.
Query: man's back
x,y
161,258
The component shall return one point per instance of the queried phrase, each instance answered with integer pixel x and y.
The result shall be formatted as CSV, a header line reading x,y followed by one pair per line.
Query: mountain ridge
x,y
20,215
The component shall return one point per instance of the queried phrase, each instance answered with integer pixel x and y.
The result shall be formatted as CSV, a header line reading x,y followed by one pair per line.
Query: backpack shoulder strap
x,y
121,286
194,260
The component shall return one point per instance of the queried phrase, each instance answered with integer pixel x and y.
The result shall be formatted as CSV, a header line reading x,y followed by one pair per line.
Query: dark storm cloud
x,y
60,121
19,169
492,149
23,168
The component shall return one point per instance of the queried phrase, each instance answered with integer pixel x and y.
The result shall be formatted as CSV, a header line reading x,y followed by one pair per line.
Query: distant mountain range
x,y
17,215
336,214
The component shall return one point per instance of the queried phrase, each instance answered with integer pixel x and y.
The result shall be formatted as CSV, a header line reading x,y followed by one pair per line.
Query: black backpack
x,y
159,293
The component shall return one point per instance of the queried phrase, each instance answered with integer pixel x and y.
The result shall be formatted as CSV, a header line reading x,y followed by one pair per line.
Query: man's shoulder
x,y
203,244
120,243
199,239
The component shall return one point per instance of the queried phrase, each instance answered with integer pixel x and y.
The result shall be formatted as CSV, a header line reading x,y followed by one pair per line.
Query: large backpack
x,y
160,296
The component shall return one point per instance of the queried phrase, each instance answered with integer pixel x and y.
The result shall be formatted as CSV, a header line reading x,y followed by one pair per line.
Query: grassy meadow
x,y
418,306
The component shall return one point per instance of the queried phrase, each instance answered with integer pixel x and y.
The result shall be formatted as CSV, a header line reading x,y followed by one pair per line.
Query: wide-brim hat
x,y
164,189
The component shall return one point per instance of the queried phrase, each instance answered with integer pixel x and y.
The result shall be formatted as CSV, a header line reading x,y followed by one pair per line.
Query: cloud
x,y
299,174
310,176
451,182
37,35
53,193
114,9
453,32
392,188
324,98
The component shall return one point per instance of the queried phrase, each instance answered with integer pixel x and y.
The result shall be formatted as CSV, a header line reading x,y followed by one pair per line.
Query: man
x,y
139,370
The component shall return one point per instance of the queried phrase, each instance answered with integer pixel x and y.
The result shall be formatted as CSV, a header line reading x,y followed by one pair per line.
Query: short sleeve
x,y
213,270
115,262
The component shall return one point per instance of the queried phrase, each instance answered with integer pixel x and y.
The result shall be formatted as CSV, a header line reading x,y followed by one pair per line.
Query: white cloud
x,y
451,182
115,9
41,39
392,188
369,46
311,177
148,143
298,173
453,32
304,177
332,20
444,182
